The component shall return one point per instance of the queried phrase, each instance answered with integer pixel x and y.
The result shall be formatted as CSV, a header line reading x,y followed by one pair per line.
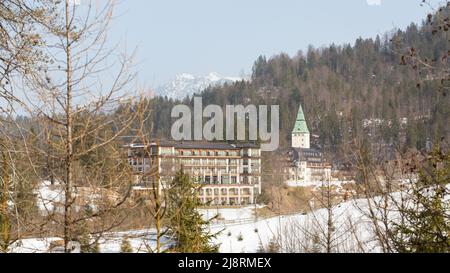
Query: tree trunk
x,y
69,147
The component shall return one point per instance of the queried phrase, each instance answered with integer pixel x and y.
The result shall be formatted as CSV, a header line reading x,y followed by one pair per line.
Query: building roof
x,y
309,155
307,150
201,145
300,123
248,145
204,145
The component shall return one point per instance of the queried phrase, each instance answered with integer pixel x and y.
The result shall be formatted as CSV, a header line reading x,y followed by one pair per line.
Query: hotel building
x,y
230,174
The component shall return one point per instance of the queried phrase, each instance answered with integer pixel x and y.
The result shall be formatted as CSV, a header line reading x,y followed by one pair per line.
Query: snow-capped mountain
x,y
187,84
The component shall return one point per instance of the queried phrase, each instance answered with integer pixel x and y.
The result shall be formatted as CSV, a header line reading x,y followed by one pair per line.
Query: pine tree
x,y
424,224
96,247
187,225
86,244
125,247
274,246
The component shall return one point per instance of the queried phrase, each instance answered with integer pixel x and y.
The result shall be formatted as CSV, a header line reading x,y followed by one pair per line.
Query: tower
x,y
300,134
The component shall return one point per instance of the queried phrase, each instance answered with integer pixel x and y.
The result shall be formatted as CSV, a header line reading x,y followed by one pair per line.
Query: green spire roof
x,y
300,123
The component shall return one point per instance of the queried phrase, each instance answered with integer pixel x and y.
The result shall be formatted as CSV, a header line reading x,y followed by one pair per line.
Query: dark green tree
x,y
125,247
186,224
424,224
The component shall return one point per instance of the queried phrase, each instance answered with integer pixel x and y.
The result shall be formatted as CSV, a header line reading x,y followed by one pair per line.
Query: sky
x,y
226,36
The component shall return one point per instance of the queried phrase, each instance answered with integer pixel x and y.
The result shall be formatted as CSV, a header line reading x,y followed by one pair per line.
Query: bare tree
x,y
82,111
20,54
150,177
20,44
406,200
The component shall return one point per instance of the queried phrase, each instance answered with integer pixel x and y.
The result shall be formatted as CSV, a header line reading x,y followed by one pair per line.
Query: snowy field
x,y
48,195
288,230
316,184
240,231
228,214
142,241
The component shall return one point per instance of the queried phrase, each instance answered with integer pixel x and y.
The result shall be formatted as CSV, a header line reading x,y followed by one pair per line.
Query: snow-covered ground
x,y
48,195
140,241
240,231
294,183
289,230
230,214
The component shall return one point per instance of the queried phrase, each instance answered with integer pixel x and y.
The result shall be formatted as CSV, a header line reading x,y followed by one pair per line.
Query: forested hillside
x,y
345,89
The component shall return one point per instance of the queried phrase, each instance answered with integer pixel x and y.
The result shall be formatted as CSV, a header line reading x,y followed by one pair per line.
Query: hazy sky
x,y
226,36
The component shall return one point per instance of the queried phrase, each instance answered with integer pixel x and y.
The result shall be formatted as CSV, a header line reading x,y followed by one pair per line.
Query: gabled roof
x,y
300,123
199,145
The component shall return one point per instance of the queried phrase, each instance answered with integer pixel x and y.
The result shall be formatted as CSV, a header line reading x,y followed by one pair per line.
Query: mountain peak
x,y
186,76
214,76
186,84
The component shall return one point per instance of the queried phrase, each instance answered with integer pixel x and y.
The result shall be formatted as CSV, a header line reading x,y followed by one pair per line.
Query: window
x,y
166,151
225,179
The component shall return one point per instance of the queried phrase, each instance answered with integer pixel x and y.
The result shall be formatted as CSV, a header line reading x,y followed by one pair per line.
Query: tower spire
x,y
300,123
300,133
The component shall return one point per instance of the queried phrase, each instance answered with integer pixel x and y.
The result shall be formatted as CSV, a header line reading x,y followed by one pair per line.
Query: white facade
x,y
301,140
229,174
309,165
